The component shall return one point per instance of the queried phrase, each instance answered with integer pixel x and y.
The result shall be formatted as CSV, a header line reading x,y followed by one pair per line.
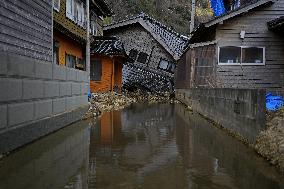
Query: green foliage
x,y
173,13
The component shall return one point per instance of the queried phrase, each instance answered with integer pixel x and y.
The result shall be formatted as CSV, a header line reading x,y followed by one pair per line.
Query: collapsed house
x,y
243,48
153,51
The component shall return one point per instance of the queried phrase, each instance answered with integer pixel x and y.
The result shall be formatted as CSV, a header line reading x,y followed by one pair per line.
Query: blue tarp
x,y
218,7
274,103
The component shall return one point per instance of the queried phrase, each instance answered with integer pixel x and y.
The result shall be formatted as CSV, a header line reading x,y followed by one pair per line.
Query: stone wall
x,y
36,96
32,91
241,111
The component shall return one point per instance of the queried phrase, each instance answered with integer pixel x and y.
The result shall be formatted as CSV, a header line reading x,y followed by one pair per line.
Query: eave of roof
x,y
276,23
57,26
103,7
236,12
110,46
217,20
140,19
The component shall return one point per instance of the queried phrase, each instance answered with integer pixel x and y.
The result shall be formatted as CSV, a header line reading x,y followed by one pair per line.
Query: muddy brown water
x,y
143,146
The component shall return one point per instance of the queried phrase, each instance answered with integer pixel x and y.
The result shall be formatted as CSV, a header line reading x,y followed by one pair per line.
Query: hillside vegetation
x,y
173,13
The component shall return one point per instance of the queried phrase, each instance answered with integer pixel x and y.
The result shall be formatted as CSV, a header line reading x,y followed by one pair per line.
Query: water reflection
x,y
143,146
52,162
168,147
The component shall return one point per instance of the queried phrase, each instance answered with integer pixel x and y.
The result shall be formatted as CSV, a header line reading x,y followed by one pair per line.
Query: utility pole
x,y
88,40
192,17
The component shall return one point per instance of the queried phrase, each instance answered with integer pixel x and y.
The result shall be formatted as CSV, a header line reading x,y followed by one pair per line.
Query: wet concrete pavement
x,y
142,146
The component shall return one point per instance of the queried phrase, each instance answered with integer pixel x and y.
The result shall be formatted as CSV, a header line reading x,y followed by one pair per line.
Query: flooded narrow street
x,y
142,146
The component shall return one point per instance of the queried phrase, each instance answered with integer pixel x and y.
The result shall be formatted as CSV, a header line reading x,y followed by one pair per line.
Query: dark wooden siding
x,y
269,76
26,28
196,68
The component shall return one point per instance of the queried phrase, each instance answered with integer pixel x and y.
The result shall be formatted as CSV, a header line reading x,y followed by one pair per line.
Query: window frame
x,y
56,8
241,58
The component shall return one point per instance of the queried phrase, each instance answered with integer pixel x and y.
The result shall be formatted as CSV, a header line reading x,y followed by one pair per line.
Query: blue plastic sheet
x,y
274,103
218,7
89,96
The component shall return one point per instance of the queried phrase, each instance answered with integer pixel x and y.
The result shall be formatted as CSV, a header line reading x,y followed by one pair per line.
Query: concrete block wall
x,y
242,111
32,90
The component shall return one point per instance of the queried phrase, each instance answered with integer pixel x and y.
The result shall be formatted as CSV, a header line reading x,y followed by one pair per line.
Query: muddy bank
x,y
104,102
270,143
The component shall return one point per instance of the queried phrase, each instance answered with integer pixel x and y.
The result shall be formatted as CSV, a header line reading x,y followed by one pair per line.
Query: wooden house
x,y
69,33
243,48
107,58
153,50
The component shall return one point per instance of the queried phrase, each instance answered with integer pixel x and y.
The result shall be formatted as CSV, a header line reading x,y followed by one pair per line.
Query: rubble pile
x,y
270,143
103,102
148,97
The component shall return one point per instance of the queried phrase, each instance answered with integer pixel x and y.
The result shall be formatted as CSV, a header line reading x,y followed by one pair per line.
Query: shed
x,y
239,49
107,58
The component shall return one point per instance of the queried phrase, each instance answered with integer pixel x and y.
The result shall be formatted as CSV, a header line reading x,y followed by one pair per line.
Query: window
x,y
132,55
70,9
241,55
163,64
252,55
56,5
142,58
55,52
93,28
75,11
230,54
167,66
80,14
81,64
70,60
96,70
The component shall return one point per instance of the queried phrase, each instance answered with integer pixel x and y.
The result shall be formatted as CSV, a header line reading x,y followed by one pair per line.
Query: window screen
x,y
230,55
96,70
252,55
133,55
142,58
